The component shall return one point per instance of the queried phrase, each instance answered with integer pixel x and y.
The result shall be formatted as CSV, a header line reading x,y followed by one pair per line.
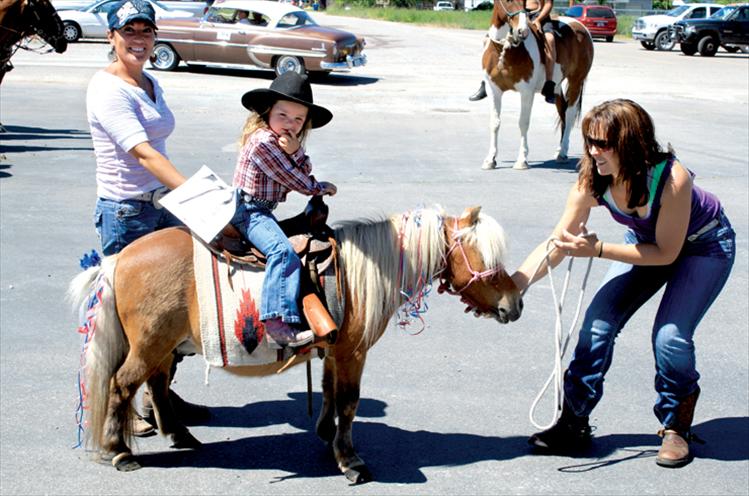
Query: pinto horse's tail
x,y
106,346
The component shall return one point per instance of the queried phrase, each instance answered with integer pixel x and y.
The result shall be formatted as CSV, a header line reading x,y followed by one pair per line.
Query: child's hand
x,y
328,188
288,142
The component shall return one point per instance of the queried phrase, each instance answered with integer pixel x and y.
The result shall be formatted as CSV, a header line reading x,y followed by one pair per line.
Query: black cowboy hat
x,y
288,86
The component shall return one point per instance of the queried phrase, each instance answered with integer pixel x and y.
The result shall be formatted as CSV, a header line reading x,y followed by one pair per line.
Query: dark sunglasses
x,y
601,144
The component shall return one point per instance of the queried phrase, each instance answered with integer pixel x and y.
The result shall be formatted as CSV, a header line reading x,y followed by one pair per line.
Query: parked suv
x,y
728,28
652,31
599,19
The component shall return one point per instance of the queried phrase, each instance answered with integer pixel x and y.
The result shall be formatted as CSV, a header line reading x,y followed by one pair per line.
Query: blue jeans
x,y
282,267
692,282
119,223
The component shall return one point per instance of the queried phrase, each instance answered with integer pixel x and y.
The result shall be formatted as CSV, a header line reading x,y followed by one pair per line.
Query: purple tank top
x,y
705,205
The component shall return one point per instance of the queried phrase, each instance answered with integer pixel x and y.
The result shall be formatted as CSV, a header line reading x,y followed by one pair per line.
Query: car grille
x,y
675,30
639,24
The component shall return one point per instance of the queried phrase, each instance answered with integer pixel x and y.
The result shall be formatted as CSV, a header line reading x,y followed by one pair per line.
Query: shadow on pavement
x,y
394,455
23,133
335,79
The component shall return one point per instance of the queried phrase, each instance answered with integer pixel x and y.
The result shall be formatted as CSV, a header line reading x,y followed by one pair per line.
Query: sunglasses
x,y
601,144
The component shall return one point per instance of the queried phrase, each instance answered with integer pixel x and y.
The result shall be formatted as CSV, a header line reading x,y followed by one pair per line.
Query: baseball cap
x,y
127,11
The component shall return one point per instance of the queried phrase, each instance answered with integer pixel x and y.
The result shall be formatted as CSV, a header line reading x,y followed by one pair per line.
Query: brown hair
x,y
257,121
629,131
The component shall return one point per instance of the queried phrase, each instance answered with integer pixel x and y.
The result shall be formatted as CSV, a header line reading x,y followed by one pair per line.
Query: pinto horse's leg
x,y
490,162
526,105
567,116
166,418
326,421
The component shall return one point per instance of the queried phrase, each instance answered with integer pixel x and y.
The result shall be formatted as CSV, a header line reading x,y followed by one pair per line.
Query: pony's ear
x,y
469,216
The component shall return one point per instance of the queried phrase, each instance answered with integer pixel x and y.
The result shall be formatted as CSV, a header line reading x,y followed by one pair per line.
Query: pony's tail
x,y
107,346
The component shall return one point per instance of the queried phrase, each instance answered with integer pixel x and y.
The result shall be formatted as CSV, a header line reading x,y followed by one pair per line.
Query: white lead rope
x,y
560,341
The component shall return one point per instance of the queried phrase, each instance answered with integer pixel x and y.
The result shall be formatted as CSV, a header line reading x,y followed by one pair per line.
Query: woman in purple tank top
x,y
677,233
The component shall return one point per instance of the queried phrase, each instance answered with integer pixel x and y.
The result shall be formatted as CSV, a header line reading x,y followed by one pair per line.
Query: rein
x,y
560,341
446,287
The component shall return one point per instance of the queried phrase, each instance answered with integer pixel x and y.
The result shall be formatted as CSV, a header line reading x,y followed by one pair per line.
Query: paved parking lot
x,y
443,412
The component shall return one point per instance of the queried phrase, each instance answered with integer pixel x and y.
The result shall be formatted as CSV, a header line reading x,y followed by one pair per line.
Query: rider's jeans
x,y
119,223
692,282
282,268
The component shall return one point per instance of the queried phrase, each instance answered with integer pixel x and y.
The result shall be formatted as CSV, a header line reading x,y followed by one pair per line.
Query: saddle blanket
x,y
230,327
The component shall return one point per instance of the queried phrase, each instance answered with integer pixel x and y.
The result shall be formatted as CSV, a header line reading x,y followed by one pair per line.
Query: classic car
x,y
91,21
256,33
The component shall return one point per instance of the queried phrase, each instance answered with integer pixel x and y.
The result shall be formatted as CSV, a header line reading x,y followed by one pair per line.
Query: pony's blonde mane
x,y
386,261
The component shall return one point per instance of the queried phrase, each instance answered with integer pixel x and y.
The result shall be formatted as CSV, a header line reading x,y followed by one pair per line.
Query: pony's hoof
x,y
520,165
358,475
489,165
562,158
185,441
125,462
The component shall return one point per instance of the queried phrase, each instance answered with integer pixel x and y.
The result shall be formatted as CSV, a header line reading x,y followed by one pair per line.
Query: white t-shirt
x,y
122,116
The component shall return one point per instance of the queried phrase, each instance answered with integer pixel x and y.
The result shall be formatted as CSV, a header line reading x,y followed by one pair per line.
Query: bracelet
x,y
600,250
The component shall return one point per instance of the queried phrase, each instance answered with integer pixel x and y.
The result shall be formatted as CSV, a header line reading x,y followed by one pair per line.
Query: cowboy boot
x,y
319,318
674,450
569,433
480,93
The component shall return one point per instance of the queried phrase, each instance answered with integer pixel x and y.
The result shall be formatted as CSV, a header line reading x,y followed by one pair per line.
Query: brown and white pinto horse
x,y
149,306
514,60
22,18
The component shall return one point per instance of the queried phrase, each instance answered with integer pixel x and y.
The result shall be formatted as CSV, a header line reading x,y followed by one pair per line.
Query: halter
x,y
446,286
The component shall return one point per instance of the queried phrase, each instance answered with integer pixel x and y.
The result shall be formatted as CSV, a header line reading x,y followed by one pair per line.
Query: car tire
x,y
71,32
664,42
286,63
609,39
164,57
708,46
688,49
647,45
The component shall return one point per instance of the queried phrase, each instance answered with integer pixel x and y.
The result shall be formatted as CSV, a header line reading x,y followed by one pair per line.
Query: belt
x,y
703,230
270,205
152,196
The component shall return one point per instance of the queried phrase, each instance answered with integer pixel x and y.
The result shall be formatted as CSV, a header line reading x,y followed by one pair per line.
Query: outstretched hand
x,y
585,244
328,188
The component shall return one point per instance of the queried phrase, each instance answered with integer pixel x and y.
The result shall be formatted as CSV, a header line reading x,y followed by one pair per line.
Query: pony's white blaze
x,y
498,35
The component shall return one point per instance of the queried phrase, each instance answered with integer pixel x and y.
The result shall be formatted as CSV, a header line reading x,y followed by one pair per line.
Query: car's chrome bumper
x,y
355,61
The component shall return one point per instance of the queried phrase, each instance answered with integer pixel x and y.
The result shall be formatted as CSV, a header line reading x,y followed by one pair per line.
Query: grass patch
x,y
479,20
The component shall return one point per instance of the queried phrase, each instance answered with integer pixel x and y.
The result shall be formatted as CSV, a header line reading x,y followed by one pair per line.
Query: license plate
x,y
600,24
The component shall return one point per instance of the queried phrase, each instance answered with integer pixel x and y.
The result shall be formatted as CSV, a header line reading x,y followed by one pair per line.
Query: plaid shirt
x,y
266,172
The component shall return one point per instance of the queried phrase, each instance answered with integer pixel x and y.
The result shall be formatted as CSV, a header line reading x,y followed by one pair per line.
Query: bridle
x,y
446,286
513,38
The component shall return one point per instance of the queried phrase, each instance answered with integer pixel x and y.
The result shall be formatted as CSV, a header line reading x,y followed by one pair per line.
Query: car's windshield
x,y
574,12
677,11
723,13
295,20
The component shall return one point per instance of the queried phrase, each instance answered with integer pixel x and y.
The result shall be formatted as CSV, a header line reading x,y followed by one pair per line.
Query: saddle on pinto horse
x,y
314,243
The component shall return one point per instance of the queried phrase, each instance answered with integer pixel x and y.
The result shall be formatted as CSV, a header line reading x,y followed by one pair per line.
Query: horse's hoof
x,y
520,165
185,440
562,158
125,462
489,165
358,475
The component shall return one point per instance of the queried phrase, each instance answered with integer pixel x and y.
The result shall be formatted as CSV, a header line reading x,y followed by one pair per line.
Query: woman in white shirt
x,y
130,122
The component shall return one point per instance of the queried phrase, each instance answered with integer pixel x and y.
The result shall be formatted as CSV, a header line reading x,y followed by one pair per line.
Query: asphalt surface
x,y
442,412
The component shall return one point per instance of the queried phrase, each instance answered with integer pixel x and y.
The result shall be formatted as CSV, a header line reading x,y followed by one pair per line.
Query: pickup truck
x,y
728,28
652,30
